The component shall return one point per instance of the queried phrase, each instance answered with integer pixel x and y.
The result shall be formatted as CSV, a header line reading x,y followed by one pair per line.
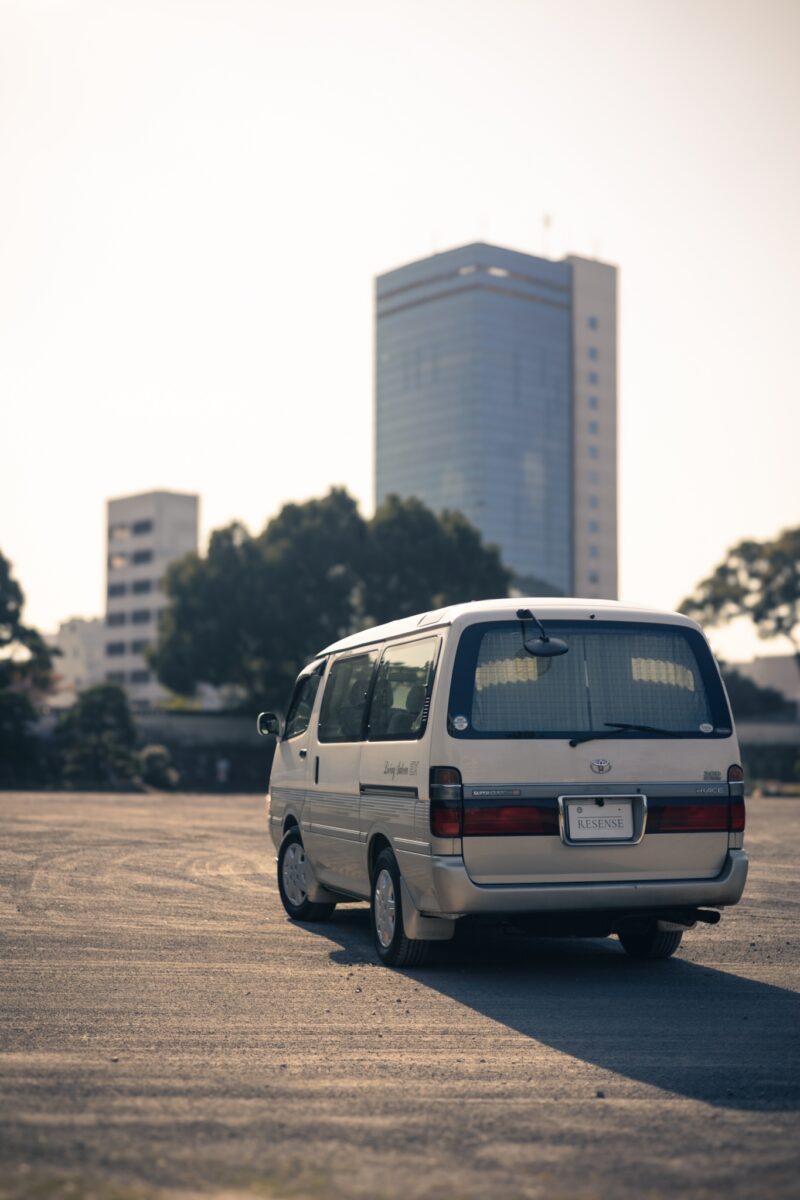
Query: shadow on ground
x,y
692,1030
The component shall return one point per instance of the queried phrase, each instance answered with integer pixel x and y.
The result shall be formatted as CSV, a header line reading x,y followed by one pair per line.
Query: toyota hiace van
x,y
567,765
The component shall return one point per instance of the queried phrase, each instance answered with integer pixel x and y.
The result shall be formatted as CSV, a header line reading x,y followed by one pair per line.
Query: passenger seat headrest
x,y
415,698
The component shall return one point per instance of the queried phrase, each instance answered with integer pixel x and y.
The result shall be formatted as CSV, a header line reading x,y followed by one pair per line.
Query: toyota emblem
x,y
600,766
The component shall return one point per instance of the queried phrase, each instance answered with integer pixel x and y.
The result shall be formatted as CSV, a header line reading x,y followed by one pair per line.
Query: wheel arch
x,y
378,842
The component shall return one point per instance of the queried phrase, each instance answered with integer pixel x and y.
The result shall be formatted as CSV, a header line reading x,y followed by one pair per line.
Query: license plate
x,y
599,820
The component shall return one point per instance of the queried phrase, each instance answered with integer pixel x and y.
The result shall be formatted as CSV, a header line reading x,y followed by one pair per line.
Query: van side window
x,y
341,717
398,710
301,704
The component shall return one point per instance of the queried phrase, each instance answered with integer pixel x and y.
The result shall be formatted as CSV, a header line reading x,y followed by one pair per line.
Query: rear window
x,y
662,676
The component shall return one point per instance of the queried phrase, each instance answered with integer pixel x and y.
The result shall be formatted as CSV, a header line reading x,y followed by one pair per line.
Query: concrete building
x,y
778,671
81,661
145,533
496,394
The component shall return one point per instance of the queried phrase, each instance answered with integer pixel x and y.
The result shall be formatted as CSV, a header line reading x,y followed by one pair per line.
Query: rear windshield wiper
x,y
619,727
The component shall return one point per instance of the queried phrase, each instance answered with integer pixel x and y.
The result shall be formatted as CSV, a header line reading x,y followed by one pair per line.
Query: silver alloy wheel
x,y
294,874
384,908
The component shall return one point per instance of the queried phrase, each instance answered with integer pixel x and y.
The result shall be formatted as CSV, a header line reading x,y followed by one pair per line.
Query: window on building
x,y
593,402
116,618
594,502
139,646
140,616
593,428
594,527
594,577
116,589
117,561
140,677
115,676
116,533
594,477
593,452
594,551
592,322
592,356
341,717
114,649
142,585
142,527
594,378
142,556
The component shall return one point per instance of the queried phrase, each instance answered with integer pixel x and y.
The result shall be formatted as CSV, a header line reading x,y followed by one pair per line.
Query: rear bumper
x,y
458,895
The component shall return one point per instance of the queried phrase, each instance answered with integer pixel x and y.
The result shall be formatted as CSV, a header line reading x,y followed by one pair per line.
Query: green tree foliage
x,y
25,659
97,738
25,676
416,561
760,580
255,608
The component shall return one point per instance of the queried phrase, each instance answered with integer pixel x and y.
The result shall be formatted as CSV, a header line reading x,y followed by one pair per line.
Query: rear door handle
x,y
302,753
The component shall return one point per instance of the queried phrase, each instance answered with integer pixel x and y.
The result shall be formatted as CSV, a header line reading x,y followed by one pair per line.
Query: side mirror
x,y
270,724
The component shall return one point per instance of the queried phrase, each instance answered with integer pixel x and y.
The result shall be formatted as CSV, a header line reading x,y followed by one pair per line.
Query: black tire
x,y
651,942
392,946
291,860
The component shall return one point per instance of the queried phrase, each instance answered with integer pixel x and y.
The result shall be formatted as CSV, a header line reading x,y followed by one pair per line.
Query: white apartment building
x,y
145,533
80,662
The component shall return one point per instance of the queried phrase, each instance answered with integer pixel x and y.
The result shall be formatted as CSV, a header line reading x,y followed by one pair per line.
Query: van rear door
x,y
606,762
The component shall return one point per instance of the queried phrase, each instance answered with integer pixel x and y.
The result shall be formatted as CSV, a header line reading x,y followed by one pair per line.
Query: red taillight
x,y
688,818
489,821
735,773
737,815
447,809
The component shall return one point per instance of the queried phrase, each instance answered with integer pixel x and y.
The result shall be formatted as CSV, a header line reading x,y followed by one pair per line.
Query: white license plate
x,y
599,820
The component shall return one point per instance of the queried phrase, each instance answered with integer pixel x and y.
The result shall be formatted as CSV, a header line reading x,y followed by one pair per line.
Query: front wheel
x,y
293,881
386,909
651,942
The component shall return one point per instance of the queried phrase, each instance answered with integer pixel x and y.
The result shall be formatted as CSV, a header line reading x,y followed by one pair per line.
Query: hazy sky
x,y
195,196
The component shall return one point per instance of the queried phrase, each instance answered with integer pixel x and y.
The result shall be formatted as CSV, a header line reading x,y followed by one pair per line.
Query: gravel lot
x,y
164,1030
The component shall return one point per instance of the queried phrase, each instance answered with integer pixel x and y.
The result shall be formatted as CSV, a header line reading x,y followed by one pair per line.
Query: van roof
x,y
558,608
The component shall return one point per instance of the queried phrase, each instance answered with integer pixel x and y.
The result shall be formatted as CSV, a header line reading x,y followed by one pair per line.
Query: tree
x,y
416,561
25,658
25,676
255,609
97,738
760,580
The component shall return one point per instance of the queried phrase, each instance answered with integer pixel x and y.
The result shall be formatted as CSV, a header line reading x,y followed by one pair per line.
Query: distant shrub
x,y
97,739
156,769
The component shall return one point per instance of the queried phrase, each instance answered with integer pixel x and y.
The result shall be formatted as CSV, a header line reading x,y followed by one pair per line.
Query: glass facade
x,y
474,400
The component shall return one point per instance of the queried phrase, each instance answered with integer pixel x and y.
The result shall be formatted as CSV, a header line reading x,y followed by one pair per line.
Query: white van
x,y
567,765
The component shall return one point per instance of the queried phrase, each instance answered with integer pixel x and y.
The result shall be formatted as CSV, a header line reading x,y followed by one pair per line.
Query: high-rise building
x,y
145,534
496,394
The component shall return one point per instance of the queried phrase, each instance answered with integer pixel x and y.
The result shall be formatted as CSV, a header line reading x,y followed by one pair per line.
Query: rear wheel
x,y
651,942
393,947
293,881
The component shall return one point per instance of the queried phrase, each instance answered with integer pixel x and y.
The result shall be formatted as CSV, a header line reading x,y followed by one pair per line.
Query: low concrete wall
x,y
769,733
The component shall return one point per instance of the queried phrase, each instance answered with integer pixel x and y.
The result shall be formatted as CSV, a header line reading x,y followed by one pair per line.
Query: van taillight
x,y
735,773
447,802
737,815
688,818
496,820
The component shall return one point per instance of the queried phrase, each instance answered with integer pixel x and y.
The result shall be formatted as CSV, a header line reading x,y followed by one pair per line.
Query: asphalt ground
x,y
165,1030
